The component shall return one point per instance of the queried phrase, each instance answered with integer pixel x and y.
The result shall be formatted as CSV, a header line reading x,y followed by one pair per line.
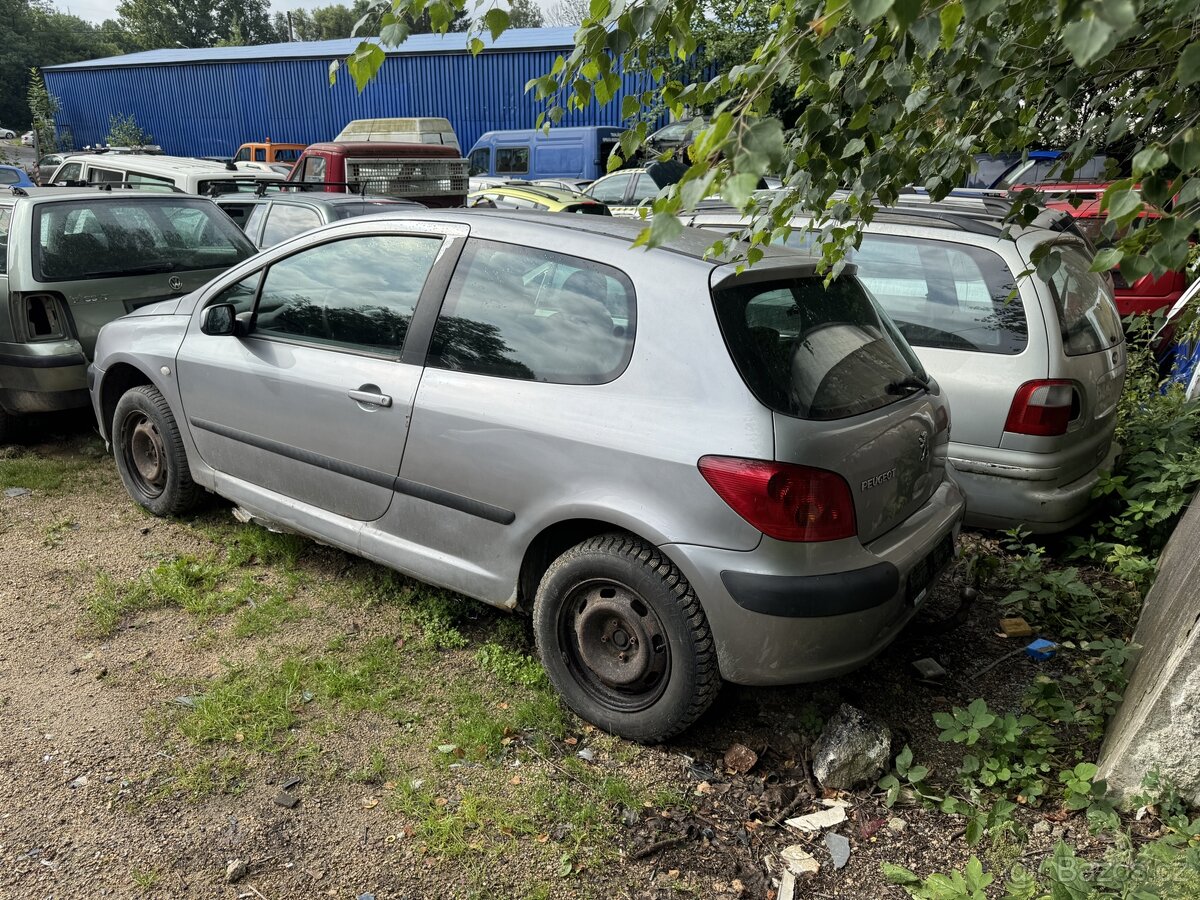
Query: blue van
x,y
530,153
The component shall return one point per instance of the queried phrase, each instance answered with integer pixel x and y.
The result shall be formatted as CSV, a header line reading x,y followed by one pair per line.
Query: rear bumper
x,y
1001,497
772,625
42,377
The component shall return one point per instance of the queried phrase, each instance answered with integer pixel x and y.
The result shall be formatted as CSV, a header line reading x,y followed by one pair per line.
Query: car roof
x,y
692,242
322,198
165,165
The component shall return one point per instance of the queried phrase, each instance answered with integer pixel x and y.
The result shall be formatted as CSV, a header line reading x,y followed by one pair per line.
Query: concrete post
x,y
1158,724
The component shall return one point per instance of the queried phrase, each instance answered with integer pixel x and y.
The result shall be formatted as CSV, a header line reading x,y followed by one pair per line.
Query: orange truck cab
x,y
433,174
268,152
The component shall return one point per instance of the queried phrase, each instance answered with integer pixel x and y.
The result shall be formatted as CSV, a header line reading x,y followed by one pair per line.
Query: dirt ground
x,y
422,771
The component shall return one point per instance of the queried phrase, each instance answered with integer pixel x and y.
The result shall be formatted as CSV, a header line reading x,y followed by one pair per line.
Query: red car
x,y
432,174
1146,295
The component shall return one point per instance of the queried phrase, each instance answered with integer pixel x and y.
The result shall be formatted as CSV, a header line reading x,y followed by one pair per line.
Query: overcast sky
x,y
99,10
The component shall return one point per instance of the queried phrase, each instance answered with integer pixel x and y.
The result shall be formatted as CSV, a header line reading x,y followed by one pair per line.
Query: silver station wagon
x,y
73,259
686,472
1033,377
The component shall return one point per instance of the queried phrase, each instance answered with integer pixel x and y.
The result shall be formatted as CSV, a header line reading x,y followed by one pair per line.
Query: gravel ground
x,y
92,752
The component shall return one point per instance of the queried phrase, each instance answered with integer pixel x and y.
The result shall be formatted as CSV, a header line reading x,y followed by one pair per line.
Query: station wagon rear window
x,y
940,294
815,352
1086,311
79,239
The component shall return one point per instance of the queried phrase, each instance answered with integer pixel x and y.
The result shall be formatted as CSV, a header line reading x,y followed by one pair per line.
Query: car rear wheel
x,y
150,454
624,639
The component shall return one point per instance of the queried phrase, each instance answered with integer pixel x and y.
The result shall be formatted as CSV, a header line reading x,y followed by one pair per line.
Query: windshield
x,y
815,352
86,239
9,176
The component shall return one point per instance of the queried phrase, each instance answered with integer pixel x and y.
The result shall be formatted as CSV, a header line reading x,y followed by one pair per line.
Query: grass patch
x,y
510,666
48,474
55,533
471,823
254,706
374,771
221,775
203,586
373,679
480,722
144,878
250,544
263,616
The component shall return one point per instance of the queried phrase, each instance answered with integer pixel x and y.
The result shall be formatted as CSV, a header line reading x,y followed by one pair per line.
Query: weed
x,y
510,666
112,601
453,826
250,544
221,774
144,878
374,679
54,533
374,771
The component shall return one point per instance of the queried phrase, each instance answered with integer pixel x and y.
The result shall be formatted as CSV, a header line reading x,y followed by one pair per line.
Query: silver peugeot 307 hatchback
x,y
687,471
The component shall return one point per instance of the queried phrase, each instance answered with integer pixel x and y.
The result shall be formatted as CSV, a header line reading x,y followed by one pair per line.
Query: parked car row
x,y
496,401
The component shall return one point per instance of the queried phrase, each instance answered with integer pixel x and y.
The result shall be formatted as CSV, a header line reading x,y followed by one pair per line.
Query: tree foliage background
x,y
850,101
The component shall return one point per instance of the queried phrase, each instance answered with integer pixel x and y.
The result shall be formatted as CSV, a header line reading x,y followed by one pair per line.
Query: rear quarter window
x,y
812,351
1086,312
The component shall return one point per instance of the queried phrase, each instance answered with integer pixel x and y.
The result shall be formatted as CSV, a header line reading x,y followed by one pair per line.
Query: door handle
x,y
369,397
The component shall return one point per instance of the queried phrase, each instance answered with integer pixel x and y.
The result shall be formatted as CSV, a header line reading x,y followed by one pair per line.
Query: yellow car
x,y
514,195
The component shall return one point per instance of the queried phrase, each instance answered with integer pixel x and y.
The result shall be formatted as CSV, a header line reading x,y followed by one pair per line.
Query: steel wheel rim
x,y
145,454
614,645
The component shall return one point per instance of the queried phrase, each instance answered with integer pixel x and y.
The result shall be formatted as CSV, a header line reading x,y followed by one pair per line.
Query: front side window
x,y
132,236
812,351
644,189
5,219
944,295
357,293
480,161
260,155
243,155
241,295
314,169
512,160
1086,311
611,189
70,172
152,181
528,313
286,220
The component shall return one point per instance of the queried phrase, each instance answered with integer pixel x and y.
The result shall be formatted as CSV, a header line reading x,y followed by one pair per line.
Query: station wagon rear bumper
x,y
835,621
42,377
1001,497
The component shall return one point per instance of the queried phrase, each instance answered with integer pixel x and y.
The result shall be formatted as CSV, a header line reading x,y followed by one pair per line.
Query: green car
x,y
74,259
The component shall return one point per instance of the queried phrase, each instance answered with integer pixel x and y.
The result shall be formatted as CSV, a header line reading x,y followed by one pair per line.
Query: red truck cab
x,y
431,174
1149,293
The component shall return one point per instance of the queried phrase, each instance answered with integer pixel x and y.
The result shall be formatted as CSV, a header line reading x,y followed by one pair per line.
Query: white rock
x,y
799,861
819,821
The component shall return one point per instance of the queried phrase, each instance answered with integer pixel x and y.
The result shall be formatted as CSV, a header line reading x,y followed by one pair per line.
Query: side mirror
x,y
220,319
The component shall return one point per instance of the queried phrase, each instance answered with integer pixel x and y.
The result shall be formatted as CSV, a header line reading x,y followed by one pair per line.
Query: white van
x,y
425,130
192,176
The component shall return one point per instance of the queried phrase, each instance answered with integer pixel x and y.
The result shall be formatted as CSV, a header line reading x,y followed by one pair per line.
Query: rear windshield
x,y
589,209
1086,311
942,295
812,351
86,239
365,208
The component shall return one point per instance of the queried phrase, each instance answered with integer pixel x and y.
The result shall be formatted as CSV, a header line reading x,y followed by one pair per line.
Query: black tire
x,y
150,454
624,639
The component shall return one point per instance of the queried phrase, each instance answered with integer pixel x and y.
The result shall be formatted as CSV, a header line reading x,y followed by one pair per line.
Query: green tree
x,y
42,106
899,92
124,131
524,14
194,23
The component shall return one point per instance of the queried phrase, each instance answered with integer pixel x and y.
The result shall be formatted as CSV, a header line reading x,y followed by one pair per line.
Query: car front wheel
x,y
150,454
624,639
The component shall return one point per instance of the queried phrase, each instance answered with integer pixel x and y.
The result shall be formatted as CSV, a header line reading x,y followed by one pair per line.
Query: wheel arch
x,y
118,379
555,539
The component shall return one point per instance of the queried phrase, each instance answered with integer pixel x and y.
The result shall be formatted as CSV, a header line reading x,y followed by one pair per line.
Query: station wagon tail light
x,y
1041,408
784,501
41,315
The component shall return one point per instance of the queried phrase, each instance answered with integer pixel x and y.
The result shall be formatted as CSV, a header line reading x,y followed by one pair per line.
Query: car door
x,y
613,190
313,402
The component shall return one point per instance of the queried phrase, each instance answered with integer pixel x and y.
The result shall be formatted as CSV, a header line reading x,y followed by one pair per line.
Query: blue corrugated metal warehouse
x,y
206,102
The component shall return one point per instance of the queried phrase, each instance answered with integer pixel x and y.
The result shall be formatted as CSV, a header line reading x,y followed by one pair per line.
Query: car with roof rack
x,y
1033,367
516,408
526,195
190,175
270,218
75,258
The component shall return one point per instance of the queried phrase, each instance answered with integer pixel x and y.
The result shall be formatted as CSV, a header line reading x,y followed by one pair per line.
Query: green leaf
x,y
630,106
1122,204
496,21
364,63
1117,13
974,831
739,189
1088,39
917,773
899,875
475,46
1106,259
904,760
867,11
951,17
1149,160
1188,69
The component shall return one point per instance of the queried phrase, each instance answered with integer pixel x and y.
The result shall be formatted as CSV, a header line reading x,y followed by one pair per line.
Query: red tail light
x,y
1041,408
784,501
